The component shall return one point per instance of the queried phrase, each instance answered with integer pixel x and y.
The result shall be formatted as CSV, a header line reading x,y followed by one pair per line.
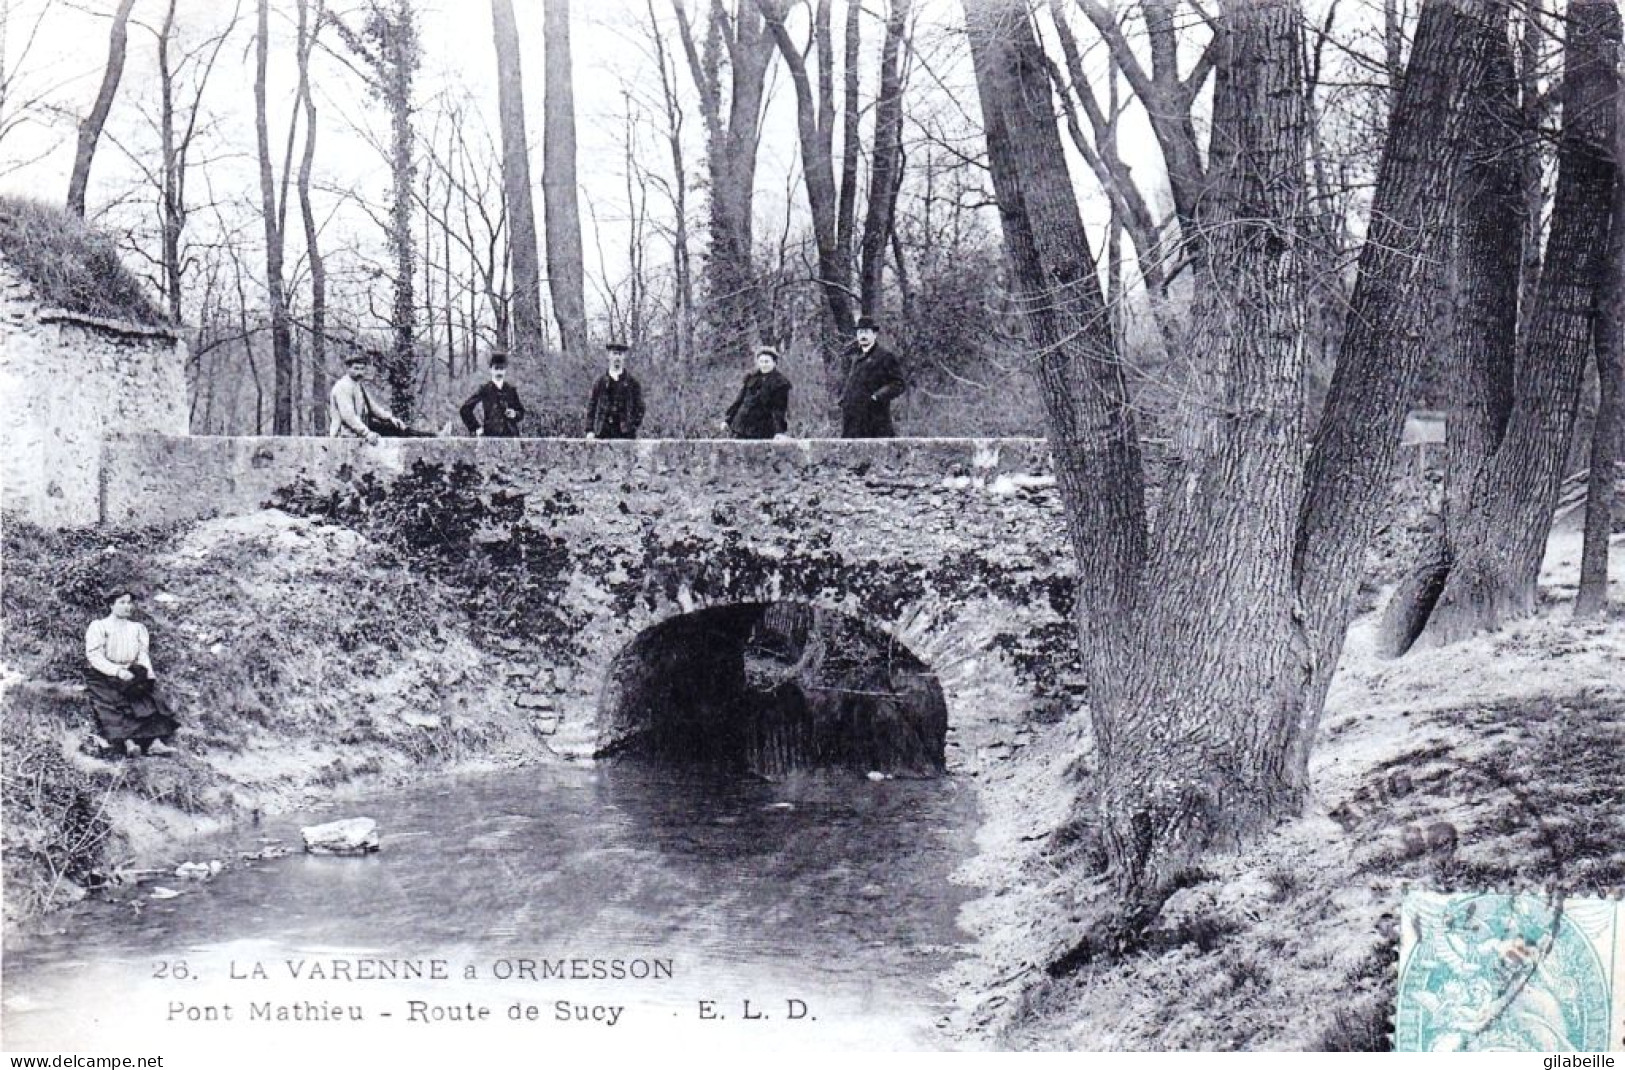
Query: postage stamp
x,y
1510,972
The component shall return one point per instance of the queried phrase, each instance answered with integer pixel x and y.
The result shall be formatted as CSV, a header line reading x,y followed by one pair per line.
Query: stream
x,y
623,904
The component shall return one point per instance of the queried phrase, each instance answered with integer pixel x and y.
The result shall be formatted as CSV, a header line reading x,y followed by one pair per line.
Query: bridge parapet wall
x,y
955,547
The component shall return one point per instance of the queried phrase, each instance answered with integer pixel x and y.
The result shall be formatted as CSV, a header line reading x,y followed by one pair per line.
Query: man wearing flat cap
x,y
615,409
352,412
874,380
495,409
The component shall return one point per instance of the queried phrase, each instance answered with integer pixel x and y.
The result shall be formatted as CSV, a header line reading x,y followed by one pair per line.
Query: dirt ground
x,y
1494,764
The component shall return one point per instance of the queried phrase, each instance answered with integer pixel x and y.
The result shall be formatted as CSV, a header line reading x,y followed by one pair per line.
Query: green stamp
x,y
1510,973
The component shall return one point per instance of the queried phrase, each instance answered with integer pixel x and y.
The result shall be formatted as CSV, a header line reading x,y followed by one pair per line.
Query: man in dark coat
x,y
760,410
495,409
874,381
615,409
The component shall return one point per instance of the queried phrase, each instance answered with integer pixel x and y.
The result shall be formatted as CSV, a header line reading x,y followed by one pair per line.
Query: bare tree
x,y
388,44
178,132
1497,551
815,123
528,331
271,215
1210,638
22,102
735,40
1609,344
565,274
90,130
309,27
682,266
886,170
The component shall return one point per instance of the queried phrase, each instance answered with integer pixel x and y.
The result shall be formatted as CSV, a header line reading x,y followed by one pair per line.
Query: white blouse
x,y
114,644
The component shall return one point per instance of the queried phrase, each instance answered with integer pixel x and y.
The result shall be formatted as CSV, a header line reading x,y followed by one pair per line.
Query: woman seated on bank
x,y
120,682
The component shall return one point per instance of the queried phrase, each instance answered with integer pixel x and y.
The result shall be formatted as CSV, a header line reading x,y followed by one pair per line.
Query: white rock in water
x,y
352,836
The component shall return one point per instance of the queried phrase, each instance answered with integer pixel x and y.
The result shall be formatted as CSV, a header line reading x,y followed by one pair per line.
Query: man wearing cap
x,y
495,409
615,409
874,380
351,412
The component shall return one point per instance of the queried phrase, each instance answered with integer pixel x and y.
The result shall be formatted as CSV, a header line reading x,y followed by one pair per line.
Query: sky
x,y
56,49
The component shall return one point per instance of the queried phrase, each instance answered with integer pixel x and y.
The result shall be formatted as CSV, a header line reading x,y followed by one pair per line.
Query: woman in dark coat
x,y
763,402
119,680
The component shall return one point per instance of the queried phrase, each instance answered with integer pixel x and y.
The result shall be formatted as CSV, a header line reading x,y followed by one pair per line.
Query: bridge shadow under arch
x,y
772,688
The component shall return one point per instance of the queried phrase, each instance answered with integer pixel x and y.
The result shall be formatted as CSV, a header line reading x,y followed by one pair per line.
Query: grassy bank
x,y
1490,765
298,655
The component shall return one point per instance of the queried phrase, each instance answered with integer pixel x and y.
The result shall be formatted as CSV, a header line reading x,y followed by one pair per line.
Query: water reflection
x,y
828,888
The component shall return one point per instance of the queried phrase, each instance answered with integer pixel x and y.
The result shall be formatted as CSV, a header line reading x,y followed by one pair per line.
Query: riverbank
x,y
301,659
1493,764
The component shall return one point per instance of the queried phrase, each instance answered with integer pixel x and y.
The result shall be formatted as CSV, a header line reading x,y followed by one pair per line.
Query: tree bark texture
x,y
90,131
815,125
275,296
1603,480
1197,738
1476,343
398,47
308,29
1355,451
739,40
1502,539
1204,646
565,273
529,333
885,172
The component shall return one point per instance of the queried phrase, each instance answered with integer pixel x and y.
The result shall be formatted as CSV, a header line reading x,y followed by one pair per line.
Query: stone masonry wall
x,y
65,380
956,548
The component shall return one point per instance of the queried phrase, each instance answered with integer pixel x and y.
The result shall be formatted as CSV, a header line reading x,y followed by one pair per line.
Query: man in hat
x,y
495,409
351,411
615,409
873,381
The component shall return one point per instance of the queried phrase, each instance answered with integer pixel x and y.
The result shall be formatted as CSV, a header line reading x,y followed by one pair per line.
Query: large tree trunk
x,y
90,131
1476,343
1602,484
815,123
529,334
1223,654
309,28
565,274
885,173
1355,452
171,212
275,296
399,53
733,126
1205,651
1502,538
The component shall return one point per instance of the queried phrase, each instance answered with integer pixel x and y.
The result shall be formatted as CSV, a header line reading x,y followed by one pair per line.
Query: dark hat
x,y
115,593
357,357
617,347
499,360
867,323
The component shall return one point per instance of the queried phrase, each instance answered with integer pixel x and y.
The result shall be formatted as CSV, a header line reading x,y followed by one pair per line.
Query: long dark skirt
x,y
128,709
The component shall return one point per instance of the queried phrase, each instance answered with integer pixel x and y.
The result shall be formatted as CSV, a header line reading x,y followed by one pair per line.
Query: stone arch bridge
x,y
955,549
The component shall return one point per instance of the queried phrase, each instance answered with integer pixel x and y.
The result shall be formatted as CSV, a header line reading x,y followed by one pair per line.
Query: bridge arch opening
x,y
771,688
